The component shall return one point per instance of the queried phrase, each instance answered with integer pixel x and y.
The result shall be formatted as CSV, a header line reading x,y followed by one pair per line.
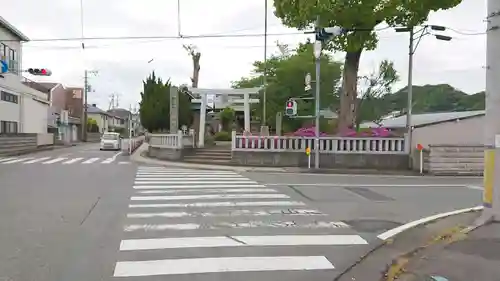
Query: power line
x,y
173,37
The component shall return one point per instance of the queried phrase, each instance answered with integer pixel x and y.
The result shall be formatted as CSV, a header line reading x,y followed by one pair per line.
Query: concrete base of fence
x,y
172,154
332,161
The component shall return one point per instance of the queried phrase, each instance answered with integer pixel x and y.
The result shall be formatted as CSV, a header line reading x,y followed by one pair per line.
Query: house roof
x,y
425,119
94,109
5,24
48,85
119,112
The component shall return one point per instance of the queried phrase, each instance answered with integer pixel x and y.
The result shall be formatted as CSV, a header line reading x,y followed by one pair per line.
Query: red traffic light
x,y
289,104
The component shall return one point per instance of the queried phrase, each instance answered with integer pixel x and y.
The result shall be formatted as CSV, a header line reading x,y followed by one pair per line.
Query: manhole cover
x,y
372,225
488,248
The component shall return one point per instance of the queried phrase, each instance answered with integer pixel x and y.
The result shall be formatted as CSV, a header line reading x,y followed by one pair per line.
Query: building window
x,y
8,127
8,97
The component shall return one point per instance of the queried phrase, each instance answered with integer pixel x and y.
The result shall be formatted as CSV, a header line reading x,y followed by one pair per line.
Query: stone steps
x,y
214,155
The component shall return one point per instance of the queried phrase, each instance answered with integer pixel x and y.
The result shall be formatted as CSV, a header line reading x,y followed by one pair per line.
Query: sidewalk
x,y
442,251
476,258
139,156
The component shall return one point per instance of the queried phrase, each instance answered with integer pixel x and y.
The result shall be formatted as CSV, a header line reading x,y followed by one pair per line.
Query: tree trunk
x,y
348,97
196,69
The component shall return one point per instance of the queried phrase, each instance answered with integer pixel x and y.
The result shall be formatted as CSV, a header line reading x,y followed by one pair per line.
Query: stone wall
x,y
15,144
456,160
169,154
330,160
93,137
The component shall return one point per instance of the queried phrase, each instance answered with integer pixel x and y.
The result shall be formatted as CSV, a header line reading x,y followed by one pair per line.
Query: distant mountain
x,y
434,98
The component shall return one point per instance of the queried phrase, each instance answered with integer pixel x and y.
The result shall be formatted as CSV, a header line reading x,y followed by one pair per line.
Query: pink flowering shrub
x,y
371,132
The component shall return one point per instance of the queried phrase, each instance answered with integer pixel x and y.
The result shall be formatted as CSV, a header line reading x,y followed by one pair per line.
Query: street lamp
x,y
317,56
411,51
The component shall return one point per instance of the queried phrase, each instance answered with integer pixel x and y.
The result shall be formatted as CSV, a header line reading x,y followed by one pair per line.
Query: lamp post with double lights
x,y
412,47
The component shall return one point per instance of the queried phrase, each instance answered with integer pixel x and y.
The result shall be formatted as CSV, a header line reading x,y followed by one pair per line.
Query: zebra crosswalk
x,y
59,160
187,222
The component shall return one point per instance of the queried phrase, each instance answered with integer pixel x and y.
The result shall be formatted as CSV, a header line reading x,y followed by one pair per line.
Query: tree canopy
x,y
285,79
364,15
154,107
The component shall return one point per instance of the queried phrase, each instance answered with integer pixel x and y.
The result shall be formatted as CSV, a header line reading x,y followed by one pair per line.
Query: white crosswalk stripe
x,y
59,160
209,217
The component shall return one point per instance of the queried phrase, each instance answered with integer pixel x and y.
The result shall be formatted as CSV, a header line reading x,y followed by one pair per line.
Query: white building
x,y
23,109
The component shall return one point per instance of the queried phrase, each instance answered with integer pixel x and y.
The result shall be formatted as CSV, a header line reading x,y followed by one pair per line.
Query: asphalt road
x,y
62,222
116,220
372,203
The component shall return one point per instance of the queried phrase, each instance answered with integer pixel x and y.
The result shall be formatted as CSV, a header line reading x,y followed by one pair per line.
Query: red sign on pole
x,y
420,147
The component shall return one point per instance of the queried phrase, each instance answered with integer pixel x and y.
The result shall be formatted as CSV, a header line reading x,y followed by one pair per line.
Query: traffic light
x,y
324,34
291,108
39,71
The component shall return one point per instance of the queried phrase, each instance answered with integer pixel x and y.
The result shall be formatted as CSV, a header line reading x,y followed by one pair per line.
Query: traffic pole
x,y
491,192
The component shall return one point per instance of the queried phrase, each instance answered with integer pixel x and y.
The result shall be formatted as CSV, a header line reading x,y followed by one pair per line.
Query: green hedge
x,y
223,136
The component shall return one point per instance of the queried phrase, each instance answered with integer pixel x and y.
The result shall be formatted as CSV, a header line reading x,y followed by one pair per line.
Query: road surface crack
x,y
236,240
300,193
90,210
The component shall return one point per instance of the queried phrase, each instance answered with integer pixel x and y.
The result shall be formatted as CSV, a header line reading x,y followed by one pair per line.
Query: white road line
x,y
367,185
234,225
197,186
108,161
90,161
246,241
161,176
291,212
17,160
72,161
190,181
221,204
36,160
187,172
208,196
7,159
207,190
215,265
182,178
116,155
55,160
123,162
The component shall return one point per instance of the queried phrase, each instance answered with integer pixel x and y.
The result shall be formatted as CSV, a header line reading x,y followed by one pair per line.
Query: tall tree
x,y
285,79
377,84
195,56
361,14
154,107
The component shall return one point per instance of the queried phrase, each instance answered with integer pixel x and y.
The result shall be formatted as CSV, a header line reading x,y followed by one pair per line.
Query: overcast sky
x,y
122,65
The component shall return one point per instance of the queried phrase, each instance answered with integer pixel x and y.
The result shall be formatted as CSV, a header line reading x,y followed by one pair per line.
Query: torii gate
x,y
203,92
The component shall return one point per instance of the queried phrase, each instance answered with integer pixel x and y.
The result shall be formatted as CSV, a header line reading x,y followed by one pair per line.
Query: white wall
x,y
469,131
34,116
101,120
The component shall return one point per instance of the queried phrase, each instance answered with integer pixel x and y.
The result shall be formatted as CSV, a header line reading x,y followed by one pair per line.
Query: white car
x,y
111,141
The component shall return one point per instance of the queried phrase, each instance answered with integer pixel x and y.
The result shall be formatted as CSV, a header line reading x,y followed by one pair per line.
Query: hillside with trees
x,y
433,98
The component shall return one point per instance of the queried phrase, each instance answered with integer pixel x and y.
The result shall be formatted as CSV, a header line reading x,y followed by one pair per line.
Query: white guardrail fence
x,y
369,145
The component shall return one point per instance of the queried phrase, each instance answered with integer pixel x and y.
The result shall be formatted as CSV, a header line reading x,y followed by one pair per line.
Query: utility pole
x,y
85,106
264,116
317,54
409,104
491,193
86,89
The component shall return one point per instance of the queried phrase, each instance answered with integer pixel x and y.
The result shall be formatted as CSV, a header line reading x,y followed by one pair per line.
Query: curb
x,y
391,233
402,228
288,170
